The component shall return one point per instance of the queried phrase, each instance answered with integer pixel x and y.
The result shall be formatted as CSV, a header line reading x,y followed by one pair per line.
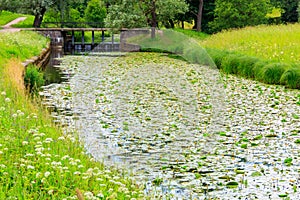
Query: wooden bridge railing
x,y
72,24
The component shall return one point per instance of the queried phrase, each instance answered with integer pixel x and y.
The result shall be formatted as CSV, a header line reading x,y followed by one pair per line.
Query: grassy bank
x,y
36,160
269,54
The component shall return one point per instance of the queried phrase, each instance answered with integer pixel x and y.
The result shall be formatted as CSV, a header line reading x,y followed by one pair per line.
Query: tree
x,y
95,12
136,13
289,9
239,13
38,8
201,12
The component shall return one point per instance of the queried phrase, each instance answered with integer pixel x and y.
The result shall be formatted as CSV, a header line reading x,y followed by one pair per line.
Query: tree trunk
x,y
171,22
199,16
38,18
153,20
182,24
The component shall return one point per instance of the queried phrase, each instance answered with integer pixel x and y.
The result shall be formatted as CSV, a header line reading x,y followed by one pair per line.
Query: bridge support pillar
x,y
93,39
73,40
82,40
102,36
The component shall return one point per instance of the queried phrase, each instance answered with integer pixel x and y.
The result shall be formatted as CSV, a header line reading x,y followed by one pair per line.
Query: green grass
x,y
192,33
36,160
6,16
27,23
269,54
278,43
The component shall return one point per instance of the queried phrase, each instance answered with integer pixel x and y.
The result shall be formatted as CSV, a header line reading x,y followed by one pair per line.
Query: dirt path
x,y
8,27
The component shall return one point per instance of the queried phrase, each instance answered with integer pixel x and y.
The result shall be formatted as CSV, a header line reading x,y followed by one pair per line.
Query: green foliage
x,y
230,64
239,13
192,33
273,72
33,79
135,13
291,77
95,12
6,16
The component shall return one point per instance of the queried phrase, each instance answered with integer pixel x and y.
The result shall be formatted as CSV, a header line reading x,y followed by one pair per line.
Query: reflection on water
x,y
51,73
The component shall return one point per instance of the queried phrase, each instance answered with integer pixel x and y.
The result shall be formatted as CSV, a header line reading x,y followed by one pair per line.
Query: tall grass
x,y
36,160
269,54
277,43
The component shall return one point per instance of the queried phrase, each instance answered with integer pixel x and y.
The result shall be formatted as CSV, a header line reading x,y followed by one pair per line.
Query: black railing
x,y
73,24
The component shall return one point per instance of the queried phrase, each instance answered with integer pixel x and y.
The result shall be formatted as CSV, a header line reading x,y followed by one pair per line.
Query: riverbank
x,y
37,161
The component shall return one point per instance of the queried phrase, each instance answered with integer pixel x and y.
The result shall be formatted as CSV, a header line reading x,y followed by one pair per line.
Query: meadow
x,y
38,161
269,54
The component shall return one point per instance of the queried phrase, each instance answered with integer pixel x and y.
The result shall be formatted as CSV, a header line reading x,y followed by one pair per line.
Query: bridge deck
x,y
72,29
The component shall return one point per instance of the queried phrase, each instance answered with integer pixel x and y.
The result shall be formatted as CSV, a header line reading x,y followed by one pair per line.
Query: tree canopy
x,y
207,15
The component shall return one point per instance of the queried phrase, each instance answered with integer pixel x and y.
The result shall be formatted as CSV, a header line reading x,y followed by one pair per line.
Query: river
x,y
152,116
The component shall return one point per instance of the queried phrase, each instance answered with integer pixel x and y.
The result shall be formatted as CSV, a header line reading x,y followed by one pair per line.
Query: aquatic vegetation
x,y
159,126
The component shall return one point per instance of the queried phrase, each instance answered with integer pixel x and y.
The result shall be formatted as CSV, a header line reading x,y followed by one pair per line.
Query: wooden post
x,y
112,41
73,40
82,40
93,39
102,36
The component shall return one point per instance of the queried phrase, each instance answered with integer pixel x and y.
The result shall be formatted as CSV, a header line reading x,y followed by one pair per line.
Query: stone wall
x,y
42,60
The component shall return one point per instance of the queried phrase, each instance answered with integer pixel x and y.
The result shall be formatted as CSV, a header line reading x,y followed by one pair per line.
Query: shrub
x,y
272,72
217,56
33,79
291,78
246,65
230,64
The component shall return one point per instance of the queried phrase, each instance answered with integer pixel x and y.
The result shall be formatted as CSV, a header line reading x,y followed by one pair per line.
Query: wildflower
x,y
3,93
38,174
2,166
1,152
14,115
50,192
7,100
37,138
77,173
80,166
48,140
46,174
61,138
30,167
100,195
65,157
24,143
2,109
29,155
89,195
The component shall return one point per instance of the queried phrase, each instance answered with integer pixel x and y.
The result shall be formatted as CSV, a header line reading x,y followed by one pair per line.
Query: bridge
x,y
65,37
